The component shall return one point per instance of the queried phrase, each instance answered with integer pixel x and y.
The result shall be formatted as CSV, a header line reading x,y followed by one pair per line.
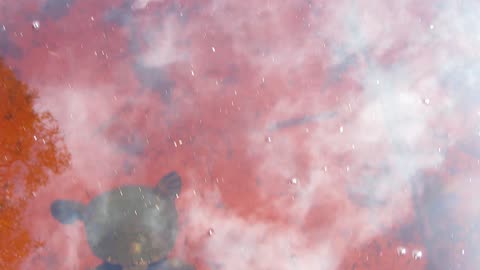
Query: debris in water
x,y
210,232
401,251
417,254
36,25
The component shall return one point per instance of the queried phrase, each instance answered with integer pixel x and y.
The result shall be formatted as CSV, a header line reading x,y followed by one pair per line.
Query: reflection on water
x,y
31,147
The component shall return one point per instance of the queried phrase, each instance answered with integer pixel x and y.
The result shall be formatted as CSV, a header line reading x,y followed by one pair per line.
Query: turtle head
x,y
66,211
170,185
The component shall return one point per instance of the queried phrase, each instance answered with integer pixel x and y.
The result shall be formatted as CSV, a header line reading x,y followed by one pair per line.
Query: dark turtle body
x,y
132,226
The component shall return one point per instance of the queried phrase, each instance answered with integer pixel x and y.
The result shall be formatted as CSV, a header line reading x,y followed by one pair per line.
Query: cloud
x,y
363,162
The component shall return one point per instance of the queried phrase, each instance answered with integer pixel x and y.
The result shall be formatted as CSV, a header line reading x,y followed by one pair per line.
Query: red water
x,y
195,86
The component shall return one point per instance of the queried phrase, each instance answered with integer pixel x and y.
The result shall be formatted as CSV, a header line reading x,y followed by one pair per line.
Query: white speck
x,y
348,168
401,251
4,28
341,129
213,49
268,139
34,194
307,130
194,193
463,251
439,149
5,158
426,101
417,254
34,137
44,142
378,82
211,231
353,146
325,168
181,14
263,79
36,25
121,193
95,53
180,142
175,143
92,19
193,73
135,212
158,208
176,195
294,181
432,26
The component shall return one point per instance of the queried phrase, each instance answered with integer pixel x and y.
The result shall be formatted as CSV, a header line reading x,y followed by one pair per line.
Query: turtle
x,y
131,227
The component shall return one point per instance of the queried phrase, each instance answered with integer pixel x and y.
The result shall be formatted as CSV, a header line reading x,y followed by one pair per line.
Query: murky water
x,y
307,134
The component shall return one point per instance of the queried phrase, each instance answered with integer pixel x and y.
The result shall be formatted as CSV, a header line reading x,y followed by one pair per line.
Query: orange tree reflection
x,y
31,147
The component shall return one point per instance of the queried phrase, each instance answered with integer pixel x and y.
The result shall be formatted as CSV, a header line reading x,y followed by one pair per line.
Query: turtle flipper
x,y
170,184
66,211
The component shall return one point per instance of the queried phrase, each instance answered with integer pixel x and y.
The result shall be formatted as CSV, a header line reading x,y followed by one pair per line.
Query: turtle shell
x,y
132,225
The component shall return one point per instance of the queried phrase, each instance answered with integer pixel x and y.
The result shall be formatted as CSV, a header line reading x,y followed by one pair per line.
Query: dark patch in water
x,y
56,9
292,122
128,168
155,79
118,16
434,223
8,48
133,146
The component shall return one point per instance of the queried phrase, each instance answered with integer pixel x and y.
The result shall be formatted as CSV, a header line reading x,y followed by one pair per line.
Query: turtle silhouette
x,y
131,227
